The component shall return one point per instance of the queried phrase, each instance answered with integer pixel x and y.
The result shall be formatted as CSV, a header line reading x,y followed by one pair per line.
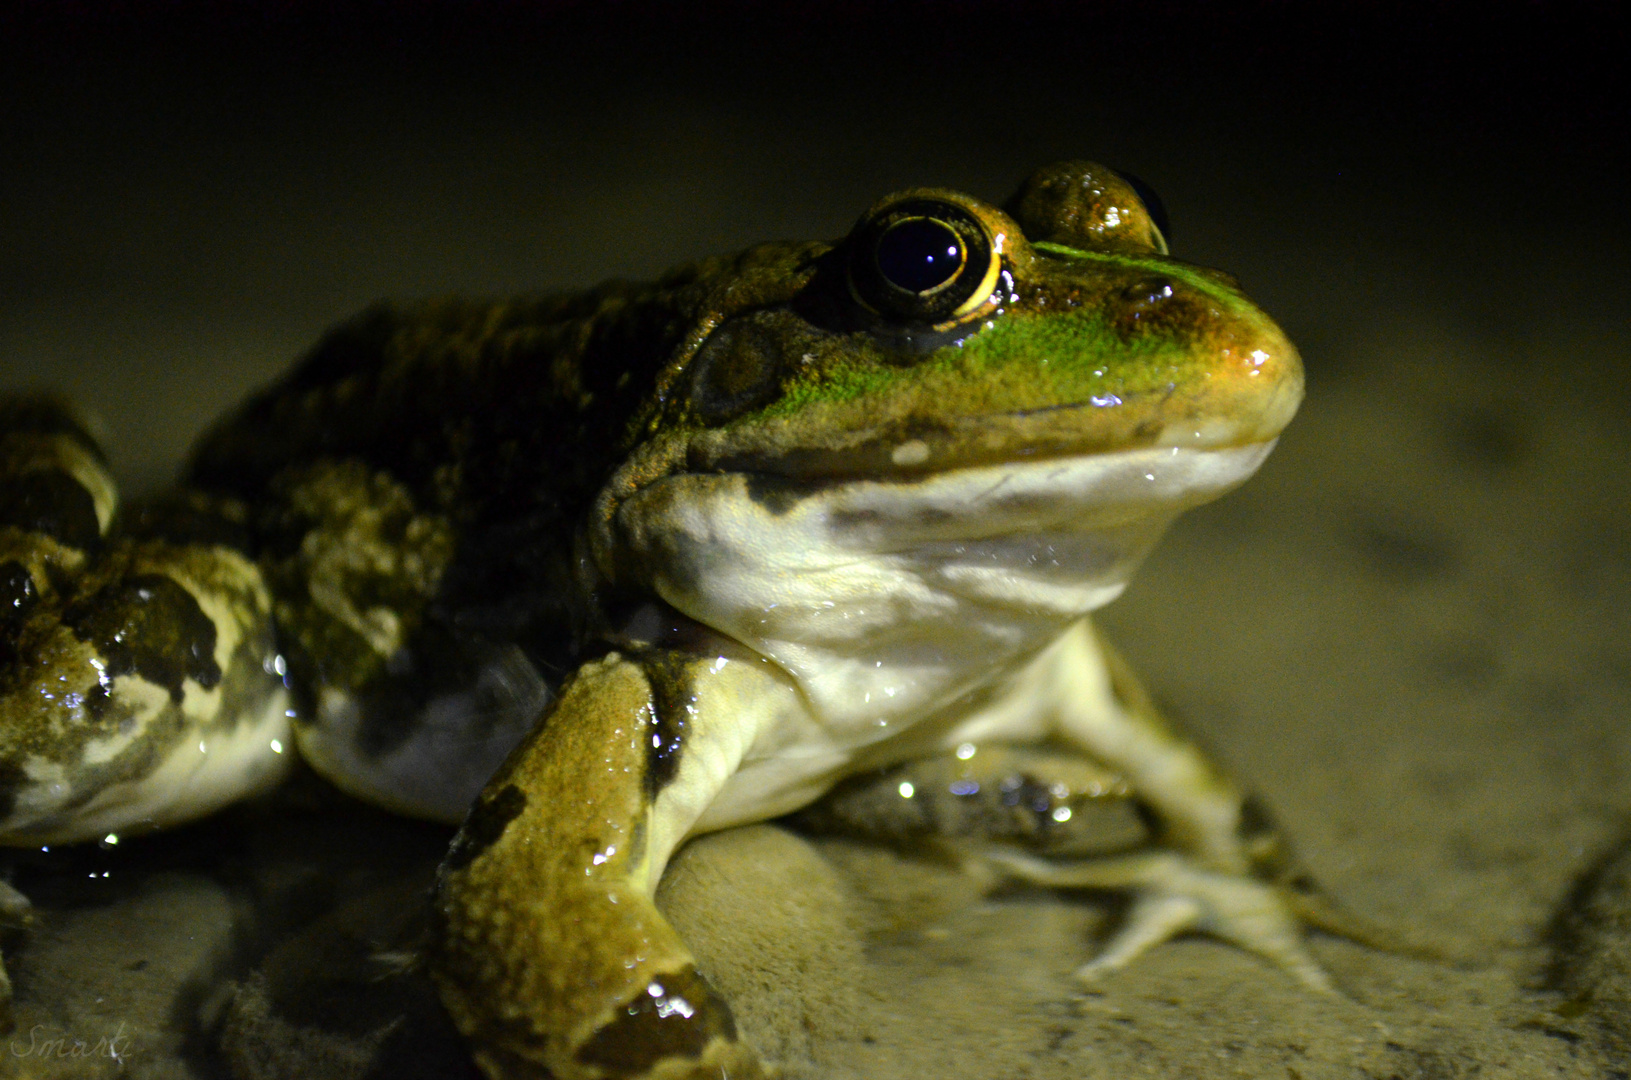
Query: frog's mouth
x,y
1145,459
914,446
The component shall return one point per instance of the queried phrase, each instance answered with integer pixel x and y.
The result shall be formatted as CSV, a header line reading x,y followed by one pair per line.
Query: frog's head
x,y
943,331
1005,405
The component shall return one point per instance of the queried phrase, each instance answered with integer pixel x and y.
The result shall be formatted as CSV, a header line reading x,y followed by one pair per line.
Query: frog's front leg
x,y
1217,867
552,958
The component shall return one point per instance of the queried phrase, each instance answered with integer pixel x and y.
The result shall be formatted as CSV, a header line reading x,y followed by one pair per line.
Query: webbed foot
x,y
1171,896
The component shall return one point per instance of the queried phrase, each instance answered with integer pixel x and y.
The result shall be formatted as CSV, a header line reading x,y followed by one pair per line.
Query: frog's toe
x,y
1171,896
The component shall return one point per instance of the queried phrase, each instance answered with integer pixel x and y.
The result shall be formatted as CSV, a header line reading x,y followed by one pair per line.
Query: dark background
x,y
189,194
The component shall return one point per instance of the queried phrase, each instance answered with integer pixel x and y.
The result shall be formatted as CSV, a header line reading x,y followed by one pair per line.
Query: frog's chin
x,y
886,597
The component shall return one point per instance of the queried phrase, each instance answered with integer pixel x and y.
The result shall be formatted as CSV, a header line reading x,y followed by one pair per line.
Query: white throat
x,y
886,599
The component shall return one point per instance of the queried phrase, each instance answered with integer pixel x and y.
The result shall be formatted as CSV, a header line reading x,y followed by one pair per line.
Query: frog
x,y
591,574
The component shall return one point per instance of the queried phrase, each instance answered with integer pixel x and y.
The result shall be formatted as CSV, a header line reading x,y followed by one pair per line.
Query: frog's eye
x,y
923,261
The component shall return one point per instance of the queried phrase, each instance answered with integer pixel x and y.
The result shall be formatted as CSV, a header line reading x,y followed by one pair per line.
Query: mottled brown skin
x,y
495,424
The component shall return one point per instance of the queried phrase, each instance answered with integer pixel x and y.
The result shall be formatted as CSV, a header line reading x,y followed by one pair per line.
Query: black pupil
x,y
919,254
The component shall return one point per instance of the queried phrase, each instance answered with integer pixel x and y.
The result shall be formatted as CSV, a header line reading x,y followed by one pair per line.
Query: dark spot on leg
x,y
488,819
52,502
1026,794
675,1016
149,625
673,695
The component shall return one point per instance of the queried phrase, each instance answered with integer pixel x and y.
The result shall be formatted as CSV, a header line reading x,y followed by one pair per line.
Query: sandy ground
x,y
1408,634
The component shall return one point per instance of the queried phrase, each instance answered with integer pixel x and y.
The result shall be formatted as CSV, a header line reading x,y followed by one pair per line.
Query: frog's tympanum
x,y
596,573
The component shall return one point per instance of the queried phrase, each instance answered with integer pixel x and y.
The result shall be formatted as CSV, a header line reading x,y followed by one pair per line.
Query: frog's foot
x,y
1173,895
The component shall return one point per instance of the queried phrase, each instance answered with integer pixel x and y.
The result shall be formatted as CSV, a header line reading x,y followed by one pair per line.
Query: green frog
x,y
597,573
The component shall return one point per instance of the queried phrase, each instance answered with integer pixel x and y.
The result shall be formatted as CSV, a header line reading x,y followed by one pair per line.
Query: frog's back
x,y
457,399
411,493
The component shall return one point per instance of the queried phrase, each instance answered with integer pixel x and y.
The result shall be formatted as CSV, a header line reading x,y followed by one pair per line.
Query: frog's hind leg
x,y
137,684
552,957
1043,799
1216,865
418,686
1026,810
138,681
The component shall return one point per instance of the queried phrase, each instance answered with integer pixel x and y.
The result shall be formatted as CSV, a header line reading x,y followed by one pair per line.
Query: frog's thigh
x,y
137,684
1216,868
410,711
552,958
